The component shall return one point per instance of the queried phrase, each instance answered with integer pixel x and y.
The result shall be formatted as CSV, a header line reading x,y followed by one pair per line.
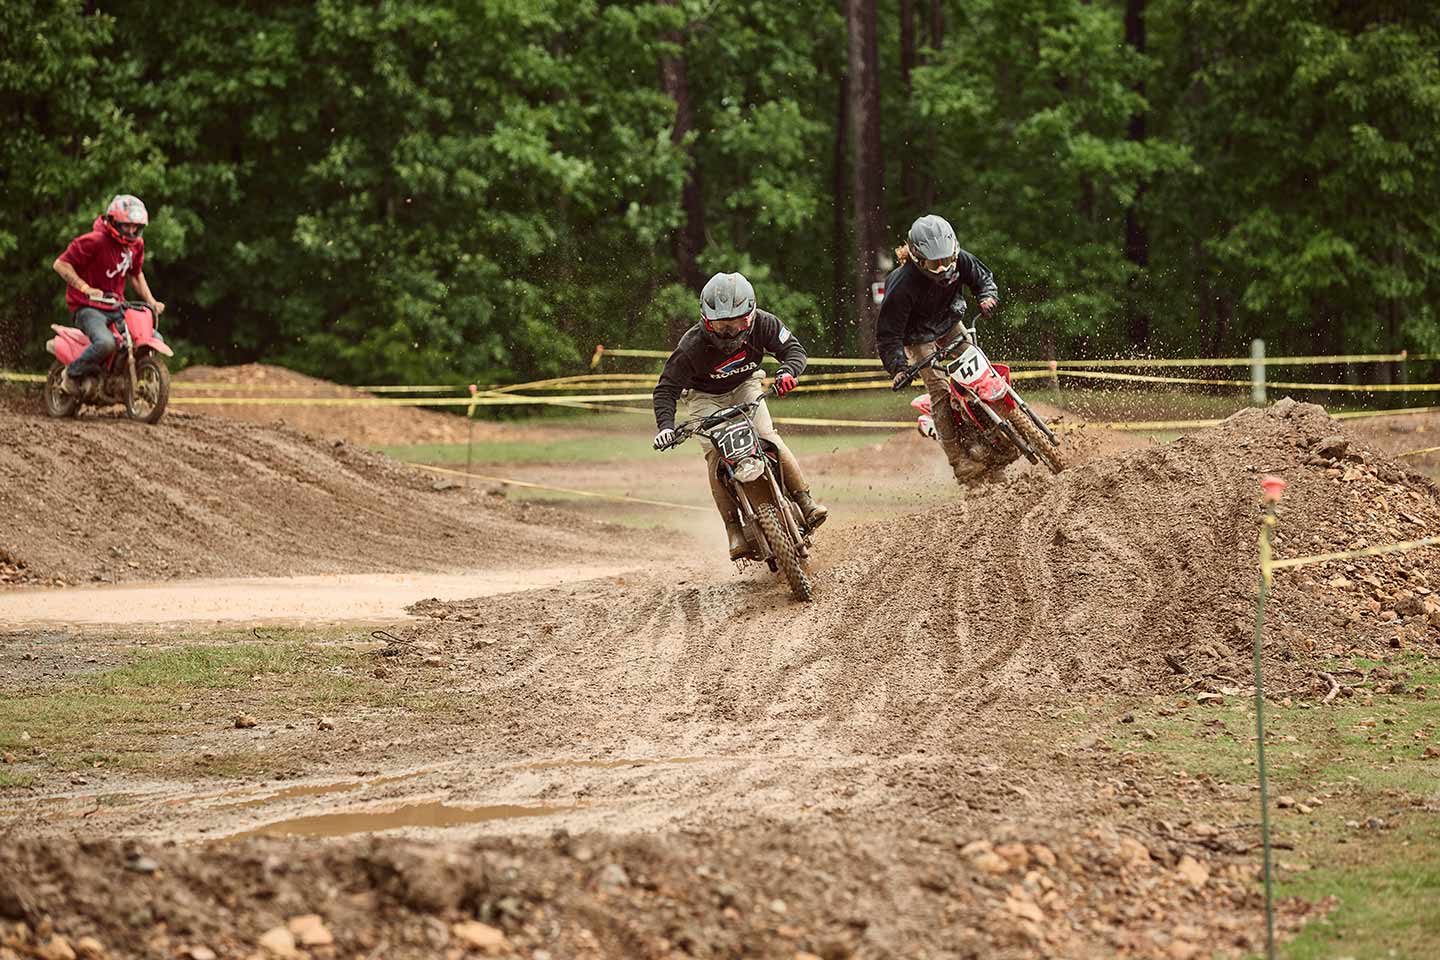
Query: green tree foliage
x,y
66,134
1031,102
406,190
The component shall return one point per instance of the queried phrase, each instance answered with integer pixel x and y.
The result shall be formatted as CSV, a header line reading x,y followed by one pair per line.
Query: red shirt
x,y
103,262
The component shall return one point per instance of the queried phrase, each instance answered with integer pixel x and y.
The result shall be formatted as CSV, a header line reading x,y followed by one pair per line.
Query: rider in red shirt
x,y
95,267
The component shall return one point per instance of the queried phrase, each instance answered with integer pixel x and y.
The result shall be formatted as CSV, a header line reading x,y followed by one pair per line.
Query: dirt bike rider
x,y
95,267
717,365
921,314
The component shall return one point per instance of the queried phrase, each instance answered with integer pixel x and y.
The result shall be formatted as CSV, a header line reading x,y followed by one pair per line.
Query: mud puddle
x,y
335,598
434,814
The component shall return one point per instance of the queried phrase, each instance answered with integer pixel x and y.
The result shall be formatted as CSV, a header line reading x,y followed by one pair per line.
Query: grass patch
x,y
14,781
1361,757
1389,900
119,718
214,667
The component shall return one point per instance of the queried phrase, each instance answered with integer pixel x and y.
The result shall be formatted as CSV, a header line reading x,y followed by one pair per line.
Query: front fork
x,y
999,422
130,362
766,486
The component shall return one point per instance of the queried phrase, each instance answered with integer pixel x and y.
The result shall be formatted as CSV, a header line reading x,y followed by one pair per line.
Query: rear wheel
x,y
786,558
59,404
147,399
1038,442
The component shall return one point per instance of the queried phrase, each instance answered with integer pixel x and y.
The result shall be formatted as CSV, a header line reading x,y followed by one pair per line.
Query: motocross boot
x,y
68,384
815,513
739,546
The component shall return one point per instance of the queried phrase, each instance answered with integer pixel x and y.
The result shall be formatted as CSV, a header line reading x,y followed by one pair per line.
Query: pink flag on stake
x,y
474,389
1274,488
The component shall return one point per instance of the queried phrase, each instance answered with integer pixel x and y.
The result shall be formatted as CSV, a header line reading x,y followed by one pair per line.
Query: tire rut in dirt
x,y
925,628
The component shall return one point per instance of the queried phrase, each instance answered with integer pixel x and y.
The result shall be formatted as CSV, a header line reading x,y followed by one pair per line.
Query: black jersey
x,y
697,364
916,309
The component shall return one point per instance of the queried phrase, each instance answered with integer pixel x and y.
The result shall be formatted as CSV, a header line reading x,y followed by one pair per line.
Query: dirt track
x,y
876,774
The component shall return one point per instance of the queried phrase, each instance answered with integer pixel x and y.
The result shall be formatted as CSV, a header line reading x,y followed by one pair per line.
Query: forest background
x,y
405,191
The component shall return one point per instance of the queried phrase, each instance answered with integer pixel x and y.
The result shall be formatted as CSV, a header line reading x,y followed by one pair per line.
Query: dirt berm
x,y
103,499
901,769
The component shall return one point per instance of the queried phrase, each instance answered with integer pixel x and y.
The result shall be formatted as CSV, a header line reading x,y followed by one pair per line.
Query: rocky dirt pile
x,y
768,892
372,425
105,499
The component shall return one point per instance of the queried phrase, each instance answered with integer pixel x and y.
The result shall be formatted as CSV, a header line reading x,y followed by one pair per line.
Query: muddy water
x,y
336,598
412,815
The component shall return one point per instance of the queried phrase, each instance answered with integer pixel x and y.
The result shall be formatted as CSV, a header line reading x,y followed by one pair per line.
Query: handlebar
x,y
684,431
907,376
115,303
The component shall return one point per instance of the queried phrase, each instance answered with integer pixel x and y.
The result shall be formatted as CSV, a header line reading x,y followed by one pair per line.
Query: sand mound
x,y
105,499
373,425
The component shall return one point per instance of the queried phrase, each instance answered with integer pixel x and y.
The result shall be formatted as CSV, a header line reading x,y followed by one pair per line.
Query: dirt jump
x,y
668,759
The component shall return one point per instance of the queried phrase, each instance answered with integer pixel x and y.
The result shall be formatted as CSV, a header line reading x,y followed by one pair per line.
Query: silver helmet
x,y
727,307
934,248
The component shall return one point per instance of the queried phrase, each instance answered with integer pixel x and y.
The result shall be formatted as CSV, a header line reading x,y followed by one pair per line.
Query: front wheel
x,y
147,397
783,548
1038,442
58,403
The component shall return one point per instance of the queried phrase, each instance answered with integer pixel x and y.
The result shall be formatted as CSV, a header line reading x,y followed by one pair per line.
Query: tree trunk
x,y
866,171
934,40
841,201
1137,243
688,239
909,182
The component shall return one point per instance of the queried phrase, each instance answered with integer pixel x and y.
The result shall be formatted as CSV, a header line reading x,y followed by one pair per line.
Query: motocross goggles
x,y
938,267
730,327
131,230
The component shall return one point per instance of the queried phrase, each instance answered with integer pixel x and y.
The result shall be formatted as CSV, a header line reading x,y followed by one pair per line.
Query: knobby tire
x,y
1038,442
783,548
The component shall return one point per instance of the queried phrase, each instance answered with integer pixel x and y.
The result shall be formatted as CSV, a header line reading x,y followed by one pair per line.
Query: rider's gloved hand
x,y
898,381
664,438
784,384
988,306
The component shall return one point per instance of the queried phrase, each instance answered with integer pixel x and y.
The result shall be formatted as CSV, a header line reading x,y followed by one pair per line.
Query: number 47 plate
x,y
971,365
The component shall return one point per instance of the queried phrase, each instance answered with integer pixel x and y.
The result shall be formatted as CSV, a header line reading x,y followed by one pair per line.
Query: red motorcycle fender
x,y
156,344
994,387
68,343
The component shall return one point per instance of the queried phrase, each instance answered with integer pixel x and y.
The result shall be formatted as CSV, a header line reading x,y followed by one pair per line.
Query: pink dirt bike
x,y
135,374
981,393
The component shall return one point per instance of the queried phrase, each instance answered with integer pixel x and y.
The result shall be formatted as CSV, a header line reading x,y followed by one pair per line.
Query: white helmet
x,y
727,297
934,248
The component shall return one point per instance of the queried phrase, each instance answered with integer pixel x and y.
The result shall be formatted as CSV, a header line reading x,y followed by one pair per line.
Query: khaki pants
x,y
696,403
955,444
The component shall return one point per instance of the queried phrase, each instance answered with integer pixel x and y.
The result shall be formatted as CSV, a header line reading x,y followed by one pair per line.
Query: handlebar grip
x,y
899,385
